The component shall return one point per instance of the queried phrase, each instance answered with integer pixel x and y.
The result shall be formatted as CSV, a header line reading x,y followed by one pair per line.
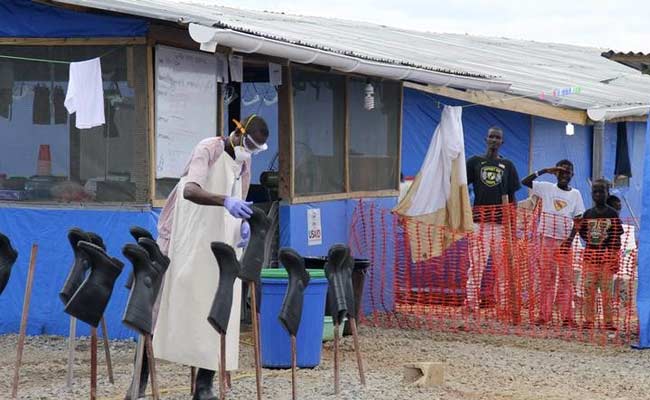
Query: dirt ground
x,y
476,367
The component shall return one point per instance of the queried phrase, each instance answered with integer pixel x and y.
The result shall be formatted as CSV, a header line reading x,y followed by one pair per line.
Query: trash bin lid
x,y
281,273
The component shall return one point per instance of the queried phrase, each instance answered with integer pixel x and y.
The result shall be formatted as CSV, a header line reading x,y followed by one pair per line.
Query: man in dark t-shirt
x,y
492,177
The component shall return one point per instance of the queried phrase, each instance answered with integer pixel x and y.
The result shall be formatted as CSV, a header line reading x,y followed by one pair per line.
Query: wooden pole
x,y
93,363
357,349
23,321
512,276
294,363
256,340
71,349
152,366
337,388
222,367
193,380
107,352
137,368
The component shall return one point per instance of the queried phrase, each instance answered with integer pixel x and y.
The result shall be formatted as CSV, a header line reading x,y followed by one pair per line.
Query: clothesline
x,y
43,60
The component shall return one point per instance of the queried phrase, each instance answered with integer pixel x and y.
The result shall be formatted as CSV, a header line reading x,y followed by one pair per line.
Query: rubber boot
x,y
160,260
96,240
253,258
228,270
339,276
291,310
139,309
137,233
80,265
90,300
144,379
8,256
204,384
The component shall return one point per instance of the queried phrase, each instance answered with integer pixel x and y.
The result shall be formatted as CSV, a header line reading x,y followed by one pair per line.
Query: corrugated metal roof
x,y
634,60
533,68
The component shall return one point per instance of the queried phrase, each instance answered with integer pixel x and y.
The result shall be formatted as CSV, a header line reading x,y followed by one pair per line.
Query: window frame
x,y
287,142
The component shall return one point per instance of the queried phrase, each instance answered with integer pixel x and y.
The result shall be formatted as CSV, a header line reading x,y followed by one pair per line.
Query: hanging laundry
x,y
436,206
622,164
6,89
85,95
41,108
60,114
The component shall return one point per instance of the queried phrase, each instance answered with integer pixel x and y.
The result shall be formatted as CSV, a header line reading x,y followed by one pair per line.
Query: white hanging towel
x,y
436,208
85,94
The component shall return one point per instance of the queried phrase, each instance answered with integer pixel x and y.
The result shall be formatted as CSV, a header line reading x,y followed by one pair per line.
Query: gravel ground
x,y
476,367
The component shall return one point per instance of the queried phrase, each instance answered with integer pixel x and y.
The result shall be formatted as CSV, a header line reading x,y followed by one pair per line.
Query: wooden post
x,y
511,281
23,321
294,363
337,388
222,367
193,380
107,352
137,368
71,349
93,363
152,366
256,340
357,349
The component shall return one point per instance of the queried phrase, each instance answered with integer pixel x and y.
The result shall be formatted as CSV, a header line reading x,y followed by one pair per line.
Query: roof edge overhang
x,y
209,37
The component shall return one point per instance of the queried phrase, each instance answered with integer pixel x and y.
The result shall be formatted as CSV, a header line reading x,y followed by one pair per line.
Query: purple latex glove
x,y
245,233
238,208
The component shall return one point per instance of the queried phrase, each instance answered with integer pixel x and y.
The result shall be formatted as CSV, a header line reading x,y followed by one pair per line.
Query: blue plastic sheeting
x,y
422,115
27,19
48,228
551,144
643,289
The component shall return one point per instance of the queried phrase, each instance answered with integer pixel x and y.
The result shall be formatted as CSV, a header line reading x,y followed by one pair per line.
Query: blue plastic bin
x,y
276,343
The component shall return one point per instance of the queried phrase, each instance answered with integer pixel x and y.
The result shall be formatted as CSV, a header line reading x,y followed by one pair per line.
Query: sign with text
x,y
314,229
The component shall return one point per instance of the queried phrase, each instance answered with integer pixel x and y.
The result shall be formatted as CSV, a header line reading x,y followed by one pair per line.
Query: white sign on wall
x,y
314,228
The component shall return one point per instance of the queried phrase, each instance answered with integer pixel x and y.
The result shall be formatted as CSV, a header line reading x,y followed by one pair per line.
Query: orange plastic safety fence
x,y
518,272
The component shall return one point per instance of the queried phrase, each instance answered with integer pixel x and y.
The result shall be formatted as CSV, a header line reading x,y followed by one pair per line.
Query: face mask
x,y
241,154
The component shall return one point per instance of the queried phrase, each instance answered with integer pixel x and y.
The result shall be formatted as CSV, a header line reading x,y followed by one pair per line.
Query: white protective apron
x,y
182,332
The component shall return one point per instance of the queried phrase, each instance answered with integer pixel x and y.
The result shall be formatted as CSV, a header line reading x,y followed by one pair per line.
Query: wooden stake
x,y
256,340
337,388
357,349
23,321
152,366
93,363
512,278
193,380
137,368
222,368
294,363
71,349
107,352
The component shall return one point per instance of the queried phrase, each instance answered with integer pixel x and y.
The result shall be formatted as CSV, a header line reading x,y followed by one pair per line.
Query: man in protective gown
x,y
208,205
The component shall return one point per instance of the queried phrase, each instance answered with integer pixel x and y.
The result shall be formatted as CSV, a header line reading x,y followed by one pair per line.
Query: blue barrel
x,y
275,341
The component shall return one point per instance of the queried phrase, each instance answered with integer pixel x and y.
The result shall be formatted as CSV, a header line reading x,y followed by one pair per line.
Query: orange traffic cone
x,y
44,163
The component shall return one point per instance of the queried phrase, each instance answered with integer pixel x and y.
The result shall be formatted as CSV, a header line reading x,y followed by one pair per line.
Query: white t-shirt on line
x,y
559,207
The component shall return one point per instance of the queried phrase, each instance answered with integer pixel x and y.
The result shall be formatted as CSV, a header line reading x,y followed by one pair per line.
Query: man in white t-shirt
x,y
560,205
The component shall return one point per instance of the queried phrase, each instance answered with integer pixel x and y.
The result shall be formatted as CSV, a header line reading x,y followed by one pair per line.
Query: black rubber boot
x,y
253,258
8,256
228,270
144,379
96,240
137,233
339,277
160,260
291,311
90,300
139,309
80,265
204,384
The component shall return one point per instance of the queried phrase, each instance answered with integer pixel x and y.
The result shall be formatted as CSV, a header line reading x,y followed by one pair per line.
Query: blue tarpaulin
x,y
26,19
422,115
48,229
643,289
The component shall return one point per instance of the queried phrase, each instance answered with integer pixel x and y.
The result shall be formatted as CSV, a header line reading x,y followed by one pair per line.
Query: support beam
x,y
508,102
597,152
